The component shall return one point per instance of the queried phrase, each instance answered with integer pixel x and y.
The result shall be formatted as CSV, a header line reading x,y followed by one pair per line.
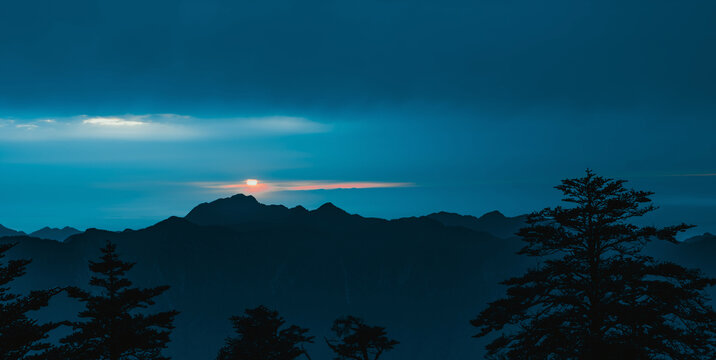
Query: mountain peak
x,y
329,208
235,210
247,198
299,208
493,215
57,234
9,232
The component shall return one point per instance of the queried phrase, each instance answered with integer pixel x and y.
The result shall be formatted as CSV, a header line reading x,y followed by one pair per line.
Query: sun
x,y
252,182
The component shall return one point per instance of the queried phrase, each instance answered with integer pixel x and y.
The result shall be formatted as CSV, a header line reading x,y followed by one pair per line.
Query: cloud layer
x,y
153,127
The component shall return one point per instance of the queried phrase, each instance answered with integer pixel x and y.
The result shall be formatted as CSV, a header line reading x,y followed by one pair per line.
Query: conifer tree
x,y
20,336
115,325
358,341
595,294
260,335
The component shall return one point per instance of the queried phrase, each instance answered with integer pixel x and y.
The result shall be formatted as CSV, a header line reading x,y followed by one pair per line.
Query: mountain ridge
x,y
56,234
4,231
312,266
493,222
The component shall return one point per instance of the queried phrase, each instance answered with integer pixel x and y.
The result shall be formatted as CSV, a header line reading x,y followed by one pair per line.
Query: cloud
x,y
127,127
112,121
285,124
300,185
165,127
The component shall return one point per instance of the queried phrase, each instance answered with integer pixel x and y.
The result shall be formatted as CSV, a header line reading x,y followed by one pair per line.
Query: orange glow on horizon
x,y
254,186
345,185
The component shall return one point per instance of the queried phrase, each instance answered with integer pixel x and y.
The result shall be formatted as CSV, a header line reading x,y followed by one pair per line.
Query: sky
x,y
119,114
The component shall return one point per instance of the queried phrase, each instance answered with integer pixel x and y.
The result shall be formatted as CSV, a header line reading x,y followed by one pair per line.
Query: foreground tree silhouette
x,y
595,296
356,340
20,336
260,337
115,328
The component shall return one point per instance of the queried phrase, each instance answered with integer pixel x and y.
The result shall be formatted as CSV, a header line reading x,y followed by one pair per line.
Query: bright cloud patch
x,y
112,121
170,127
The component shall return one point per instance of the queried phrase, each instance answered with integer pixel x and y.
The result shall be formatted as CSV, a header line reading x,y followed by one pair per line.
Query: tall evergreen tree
x,y
262,336
116,327
595,295
20,336
358,341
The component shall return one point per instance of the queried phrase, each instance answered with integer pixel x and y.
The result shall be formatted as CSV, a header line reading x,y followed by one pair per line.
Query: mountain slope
x,y
9,232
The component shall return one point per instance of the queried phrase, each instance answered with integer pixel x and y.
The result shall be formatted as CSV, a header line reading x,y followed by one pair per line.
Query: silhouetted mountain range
x,y
423,278
705,237
493,222
49,233
55,233
9,232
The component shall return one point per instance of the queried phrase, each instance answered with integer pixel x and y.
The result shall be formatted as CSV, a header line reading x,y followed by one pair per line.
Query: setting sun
x,y
252,182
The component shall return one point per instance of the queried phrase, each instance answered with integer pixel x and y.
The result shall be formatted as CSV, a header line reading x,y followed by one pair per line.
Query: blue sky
x,y
119,114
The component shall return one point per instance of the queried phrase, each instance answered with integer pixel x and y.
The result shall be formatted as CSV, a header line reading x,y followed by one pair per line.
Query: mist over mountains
x,y
423,277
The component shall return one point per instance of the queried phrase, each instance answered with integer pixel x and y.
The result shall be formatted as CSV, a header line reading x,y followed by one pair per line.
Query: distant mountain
x,y
423,278
240,211
493,222
705,237
55,233
695,252
44,233
9,232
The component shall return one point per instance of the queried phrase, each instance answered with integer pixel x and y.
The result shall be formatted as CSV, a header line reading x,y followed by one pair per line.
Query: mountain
x,y
708,237
9,232
44,233
55,233
493,222
244,211
423,278
695,252
239,209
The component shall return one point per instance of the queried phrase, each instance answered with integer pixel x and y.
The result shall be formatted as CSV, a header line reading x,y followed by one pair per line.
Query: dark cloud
x,y
511,54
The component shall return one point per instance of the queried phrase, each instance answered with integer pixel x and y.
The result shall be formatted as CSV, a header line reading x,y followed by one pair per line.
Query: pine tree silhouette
x,y
595,296
20,336
116,327
358,341
260,337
